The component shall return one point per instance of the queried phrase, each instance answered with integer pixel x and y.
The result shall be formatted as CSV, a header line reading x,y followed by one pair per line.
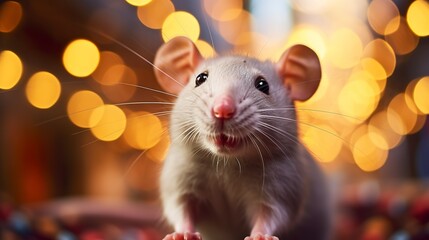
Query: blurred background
x,y
82,117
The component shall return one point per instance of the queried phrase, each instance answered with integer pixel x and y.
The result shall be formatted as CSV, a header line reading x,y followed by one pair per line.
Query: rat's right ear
x,y
174,63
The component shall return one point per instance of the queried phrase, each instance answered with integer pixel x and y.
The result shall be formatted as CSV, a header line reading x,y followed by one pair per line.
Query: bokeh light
x,y
343,53
205,49
10,69
140,2
81,57
223,10
126,84
383,53
80,107
358,99
111,125
309,36
180,24
379,124
401,118
367,155
313,136
403,40
237,30
143,131
382,13
43,90
420,95
10,15
159,152
153,14
418,17
108,59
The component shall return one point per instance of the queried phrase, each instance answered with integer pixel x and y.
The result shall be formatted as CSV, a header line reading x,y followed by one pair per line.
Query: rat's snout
x,y
223,107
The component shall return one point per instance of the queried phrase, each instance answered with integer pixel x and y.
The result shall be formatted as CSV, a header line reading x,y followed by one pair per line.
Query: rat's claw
x,y
183,236
261,237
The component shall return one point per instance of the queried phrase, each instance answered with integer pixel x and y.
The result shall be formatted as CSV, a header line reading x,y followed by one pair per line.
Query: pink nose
x,y
224,107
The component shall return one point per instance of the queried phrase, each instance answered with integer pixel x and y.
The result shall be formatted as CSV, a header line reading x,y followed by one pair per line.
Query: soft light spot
x,y
80,107
407,117
313,136
344,48
205,49
380,14
383,53
358,99
223,10
420,95
238,30
403,40
123,83
368,157
112,123
158,153
154,13
310,6
10,69
81,57
108,59
140,2
144,130
374,68
379,123
43,90
180,24
377,138
10,16
309,36
418,17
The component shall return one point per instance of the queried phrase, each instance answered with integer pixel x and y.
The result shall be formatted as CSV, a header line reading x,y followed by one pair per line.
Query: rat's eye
x,y
201,78
262,85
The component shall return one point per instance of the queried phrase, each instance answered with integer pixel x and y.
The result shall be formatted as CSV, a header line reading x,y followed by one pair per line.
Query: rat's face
x,y
235,105
230,101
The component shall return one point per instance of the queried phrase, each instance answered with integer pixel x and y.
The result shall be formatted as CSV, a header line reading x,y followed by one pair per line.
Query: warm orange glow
x,y
407,117
420,95
139,2
159,152
153,14
383,53
108,59
343,53
43,90
403,40
367,155
205,49
380,14
81,57
237,31
313,136
111,125
144,130
10,16
358,99
379,123
10,69
124,86
418,17
307,35
80,107
180,24
223,10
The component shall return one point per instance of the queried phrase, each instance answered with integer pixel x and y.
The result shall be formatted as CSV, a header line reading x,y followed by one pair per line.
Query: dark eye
x,y
262,85
201,78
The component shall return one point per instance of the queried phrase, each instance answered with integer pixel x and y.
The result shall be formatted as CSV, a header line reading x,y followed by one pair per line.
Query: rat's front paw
x,y
261,237
183,236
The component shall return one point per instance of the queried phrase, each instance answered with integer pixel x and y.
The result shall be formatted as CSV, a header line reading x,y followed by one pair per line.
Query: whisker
x,y
148,88
133,163
262,160
309,110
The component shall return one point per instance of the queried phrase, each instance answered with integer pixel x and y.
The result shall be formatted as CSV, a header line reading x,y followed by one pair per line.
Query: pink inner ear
x,y
299,67
174,62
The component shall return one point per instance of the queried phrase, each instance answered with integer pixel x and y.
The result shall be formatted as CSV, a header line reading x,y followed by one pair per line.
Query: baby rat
x,y
235,168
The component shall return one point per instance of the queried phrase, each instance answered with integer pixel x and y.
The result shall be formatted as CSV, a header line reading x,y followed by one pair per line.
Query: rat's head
x,y
230,104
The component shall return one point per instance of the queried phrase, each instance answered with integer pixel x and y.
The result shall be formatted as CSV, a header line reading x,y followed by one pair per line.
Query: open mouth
x,y
229,142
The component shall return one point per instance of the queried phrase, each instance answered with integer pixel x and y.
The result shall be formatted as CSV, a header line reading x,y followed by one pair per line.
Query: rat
x,y
235,168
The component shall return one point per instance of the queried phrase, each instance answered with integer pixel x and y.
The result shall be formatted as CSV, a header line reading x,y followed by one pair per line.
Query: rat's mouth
x,y
223,141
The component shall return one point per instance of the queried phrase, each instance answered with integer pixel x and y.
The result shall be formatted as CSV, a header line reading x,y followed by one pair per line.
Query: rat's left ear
x,y
299,68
